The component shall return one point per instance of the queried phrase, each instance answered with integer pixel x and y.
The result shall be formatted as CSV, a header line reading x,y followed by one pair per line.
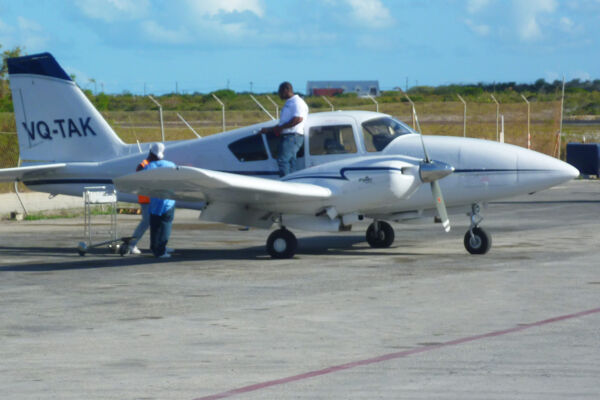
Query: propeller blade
x,y
432,171
440,205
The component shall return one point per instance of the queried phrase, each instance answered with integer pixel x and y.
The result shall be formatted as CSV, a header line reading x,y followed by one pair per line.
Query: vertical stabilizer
x,y
55,120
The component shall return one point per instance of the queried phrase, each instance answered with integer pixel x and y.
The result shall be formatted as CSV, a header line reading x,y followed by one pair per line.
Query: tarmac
x,y
420,320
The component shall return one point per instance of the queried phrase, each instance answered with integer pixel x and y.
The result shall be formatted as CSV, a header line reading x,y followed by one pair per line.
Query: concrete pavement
x,y
420,320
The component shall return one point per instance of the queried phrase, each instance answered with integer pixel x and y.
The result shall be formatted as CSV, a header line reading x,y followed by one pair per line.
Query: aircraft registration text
x,y
60,128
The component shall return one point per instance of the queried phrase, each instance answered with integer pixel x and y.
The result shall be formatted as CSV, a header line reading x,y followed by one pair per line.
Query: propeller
x,y
432,171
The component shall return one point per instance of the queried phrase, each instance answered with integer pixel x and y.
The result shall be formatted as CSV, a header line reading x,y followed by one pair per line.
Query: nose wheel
x,y
380,234
477,240
282,244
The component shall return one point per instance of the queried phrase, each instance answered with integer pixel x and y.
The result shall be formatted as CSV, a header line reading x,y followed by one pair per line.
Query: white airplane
x,y
355,165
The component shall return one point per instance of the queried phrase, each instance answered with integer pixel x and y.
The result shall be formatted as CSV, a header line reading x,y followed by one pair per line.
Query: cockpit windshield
x,y
379,132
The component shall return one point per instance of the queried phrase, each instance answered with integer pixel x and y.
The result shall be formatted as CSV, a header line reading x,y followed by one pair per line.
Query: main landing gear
x,y
477,241
380,234
282,244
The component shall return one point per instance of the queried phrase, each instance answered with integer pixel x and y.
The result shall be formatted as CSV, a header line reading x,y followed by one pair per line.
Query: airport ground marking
x,y
392,356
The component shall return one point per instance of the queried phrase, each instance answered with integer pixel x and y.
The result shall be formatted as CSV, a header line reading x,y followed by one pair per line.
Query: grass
x,y
436,118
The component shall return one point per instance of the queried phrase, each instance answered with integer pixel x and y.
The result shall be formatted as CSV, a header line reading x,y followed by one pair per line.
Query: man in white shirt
x,y
290,128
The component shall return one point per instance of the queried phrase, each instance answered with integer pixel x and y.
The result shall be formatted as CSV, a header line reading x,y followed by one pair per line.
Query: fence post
x,y
222,109
374,101
162,126
261,107
328,102
464,116
528,122
497,116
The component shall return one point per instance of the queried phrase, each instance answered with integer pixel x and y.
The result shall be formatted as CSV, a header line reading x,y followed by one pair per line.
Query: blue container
x,y
585,157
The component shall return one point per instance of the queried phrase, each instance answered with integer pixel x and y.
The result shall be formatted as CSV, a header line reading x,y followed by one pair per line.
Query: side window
x,y
331,139
250,148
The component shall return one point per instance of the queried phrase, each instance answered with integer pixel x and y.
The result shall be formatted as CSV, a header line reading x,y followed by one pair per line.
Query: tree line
x,y
582,96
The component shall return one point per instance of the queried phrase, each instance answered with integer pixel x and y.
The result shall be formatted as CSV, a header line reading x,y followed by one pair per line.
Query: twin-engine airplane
x,y
355,165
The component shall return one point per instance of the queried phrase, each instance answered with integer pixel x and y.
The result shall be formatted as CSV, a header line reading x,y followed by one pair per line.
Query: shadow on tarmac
x,y
97,258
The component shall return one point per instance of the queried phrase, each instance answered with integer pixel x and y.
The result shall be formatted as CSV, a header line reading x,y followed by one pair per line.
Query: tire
x,y
480,243
382,239
282,244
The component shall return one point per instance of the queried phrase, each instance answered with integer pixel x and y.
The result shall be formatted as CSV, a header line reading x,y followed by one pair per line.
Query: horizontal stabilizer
x,y
197,184
22,173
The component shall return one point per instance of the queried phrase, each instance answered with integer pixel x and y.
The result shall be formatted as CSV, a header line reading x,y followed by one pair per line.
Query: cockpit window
x,y
379,132
250,148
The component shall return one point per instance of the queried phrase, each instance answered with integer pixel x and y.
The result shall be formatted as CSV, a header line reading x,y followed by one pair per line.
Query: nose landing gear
x,y
477,240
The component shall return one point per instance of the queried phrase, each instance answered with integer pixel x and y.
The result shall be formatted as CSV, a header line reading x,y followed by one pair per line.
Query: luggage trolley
x,y
94,195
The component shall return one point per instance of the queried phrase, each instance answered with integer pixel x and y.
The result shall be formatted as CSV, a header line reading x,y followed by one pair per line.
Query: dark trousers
x,y
160,230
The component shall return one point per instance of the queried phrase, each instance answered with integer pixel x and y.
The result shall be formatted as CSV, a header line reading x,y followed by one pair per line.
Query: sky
x,y
159,46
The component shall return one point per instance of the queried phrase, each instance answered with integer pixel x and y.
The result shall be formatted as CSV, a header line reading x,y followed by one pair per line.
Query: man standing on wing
x,y
290,128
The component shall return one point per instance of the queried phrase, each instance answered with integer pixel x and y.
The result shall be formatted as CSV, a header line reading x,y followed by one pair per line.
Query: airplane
x,y
354,166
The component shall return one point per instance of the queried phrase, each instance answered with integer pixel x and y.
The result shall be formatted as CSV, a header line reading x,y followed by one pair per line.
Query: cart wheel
x,y
81,248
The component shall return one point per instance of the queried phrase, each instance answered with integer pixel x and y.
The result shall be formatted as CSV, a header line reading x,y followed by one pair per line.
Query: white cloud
x,y
566,24
474,6
214,7
28,25
582,76
552,76
371,13
479,29
28,34
372,42
4,28
528,14
159,34
114,10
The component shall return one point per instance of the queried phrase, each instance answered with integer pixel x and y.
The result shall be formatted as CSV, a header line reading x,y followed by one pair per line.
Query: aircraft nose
x,y
570,171
552,171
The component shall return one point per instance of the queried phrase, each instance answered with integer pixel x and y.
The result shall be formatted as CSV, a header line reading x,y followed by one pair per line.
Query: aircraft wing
x,y
197,184
18,173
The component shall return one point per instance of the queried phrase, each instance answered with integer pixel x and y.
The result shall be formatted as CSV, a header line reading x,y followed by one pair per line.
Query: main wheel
x,y
282,244
479,243
381,239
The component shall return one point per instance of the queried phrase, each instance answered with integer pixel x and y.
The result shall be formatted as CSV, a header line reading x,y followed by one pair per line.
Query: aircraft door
x,y
330,141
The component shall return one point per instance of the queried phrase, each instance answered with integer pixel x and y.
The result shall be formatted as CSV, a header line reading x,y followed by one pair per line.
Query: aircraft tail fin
x,y
55,120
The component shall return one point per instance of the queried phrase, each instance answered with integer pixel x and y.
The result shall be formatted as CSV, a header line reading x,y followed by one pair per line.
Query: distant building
x,y
330,88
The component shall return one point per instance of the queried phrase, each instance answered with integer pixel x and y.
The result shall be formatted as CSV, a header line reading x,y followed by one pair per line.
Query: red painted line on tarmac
x,y
391,356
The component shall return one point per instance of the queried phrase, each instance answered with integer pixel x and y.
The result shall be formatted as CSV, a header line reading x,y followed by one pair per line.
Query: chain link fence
x,y
436,118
